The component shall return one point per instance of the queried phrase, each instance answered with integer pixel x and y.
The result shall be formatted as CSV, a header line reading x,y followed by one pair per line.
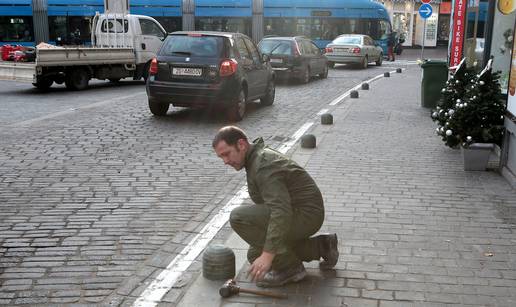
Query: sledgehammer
x,y
229,288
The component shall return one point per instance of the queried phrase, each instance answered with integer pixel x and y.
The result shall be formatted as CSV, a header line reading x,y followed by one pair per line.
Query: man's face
x,y
232,155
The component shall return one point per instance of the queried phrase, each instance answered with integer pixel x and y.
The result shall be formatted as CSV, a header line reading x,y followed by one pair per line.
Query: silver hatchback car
x,y
355,49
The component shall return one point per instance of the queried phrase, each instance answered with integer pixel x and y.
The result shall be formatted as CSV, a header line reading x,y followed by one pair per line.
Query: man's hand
x,y
260,266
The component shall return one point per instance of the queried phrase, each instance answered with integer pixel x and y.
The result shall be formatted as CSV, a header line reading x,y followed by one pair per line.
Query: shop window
x,y
16,29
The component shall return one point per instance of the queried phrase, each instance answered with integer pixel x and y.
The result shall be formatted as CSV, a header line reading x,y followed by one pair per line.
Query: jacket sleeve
x,y
274,192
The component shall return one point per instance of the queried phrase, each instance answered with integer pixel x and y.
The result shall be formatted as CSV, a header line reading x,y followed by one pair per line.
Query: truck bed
x,y
70,56
65,56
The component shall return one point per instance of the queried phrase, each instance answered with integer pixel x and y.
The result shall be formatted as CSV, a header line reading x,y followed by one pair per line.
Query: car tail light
x,y
194,34
329,49
355,50
228,67
153,69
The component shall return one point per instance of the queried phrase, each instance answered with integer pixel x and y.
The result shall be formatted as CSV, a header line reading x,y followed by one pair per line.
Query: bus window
x,y
16,29
71,29
224,24
170,24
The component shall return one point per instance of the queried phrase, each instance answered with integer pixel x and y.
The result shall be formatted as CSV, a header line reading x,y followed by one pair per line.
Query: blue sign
x,y
425,10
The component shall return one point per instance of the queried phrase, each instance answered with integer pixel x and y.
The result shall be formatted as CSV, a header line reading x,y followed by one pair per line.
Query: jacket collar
x,y
257,145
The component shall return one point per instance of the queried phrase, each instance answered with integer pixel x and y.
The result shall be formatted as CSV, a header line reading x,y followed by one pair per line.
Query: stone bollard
x,y
399,70
327,119
387,74
308,141
353,94
218,263
365,86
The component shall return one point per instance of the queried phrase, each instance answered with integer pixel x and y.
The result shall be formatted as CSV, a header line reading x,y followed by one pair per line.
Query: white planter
x,y
476,156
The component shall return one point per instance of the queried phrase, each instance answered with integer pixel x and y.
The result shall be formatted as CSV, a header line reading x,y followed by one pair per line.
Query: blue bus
x,y
31,21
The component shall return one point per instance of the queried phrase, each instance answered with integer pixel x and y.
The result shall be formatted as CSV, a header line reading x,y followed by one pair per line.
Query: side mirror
x,y
265,58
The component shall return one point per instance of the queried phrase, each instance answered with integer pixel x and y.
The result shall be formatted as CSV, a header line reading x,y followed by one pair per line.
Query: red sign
x,y
457,35
426,1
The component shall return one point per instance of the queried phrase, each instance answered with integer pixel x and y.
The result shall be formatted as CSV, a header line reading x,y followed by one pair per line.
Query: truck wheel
x,y
236,111
158,108
77,80
43,84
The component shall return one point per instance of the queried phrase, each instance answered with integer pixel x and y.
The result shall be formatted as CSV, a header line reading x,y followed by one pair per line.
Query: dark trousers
x,y
251,222
390,53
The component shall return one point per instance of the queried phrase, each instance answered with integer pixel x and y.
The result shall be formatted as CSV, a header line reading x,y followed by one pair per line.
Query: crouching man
x,y
288,210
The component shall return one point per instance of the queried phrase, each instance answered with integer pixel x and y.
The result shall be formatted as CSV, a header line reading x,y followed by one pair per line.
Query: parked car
x,y
217,69
355,49
294,57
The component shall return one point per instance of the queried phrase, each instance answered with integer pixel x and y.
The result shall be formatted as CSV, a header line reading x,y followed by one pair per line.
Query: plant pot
x,y
476,156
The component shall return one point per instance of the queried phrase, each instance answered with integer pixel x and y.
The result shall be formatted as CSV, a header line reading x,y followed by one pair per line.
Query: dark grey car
x,y
294,57
209,69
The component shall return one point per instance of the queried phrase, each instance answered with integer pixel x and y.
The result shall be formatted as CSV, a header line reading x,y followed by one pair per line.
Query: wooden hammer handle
x,y
264,293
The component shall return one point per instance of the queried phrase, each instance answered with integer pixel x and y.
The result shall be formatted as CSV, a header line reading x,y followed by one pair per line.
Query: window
x,y
315,49
224,24
242,49
170,24
201,46
149,27
277,47
254,52
70,29
307,47
16,29
115,25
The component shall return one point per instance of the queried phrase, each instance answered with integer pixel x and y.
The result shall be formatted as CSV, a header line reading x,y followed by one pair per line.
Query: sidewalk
x,y
415,229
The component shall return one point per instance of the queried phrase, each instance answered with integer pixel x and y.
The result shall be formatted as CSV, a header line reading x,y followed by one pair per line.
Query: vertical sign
x,y
457,35
511,92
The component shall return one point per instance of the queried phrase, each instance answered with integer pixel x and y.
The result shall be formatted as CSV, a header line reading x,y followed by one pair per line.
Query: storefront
x,y
406,21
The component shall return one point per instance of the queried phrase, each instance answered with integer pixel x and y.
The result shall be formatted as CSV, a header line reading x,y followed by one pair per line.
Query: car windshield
x,y
202,46
272,46
348,40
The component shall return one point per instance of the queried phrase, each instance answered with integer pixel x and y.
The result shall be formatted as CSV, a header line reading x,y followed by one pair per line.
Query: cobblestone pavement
x,y
96,195
415,229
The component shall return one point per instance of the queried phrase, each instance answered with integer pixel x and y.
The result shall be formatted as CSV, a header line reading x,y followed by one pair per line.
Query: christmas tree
x,y
471,110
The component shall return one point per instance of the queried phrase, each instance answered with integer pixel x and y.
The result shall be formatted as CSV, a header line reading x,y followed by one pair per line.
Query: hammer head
x,y
229,288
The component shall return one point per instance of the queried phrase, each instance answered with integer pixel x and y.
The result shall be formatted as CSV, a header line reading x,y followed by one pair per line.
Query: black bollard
x,y
308,141
218,262
354,94
399,70
387,74
365,86
327,119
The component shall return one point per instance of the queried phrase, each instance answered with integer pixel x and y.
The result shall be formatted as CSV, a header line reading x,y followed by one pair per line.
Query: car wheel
x,y
306,76
331,64
77,79
43,84
365,62
236,111
268,99
324,74
379,61
158,108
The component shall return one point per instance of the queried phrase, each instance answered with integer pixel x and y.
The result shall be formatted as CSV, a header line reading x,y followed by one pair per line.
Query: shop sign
x,y
457,34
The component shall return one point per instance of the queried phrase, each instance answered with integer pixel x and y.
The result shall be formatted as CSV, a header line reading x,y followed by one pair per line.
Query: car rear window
x,y
192,45
347,40
278,47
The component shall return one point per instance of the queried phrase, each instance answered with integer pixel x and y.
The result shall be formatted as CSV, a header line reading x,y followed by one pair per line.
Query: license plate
x,y
276,60
186,71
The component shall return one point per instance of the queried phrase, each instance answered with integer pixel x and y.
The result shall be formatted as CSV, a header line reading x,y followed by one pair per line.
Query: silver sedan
x,y
355,49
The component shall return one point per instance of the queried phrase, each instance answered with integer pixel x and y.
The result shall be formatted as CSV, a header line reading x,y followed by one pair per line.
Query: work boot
x,y
275,278
329,251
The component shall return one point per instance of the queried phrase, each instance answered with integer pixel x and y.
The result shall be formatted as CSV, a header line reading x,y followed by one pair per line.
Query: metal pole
x,y
424,36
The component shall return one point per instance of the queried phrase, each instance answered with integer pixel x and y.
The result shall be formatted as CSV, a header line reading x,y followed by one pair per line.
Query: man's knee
x,y
238,217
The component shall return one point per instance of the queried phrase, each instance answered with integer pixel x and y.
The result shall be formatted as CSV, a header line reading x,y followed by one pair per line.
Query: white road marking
x,y
152,295
323,111
337,100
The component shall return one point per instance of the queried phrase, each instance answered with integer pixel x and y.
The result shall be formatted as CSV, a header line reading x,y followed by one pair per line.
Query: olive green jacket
x,y
285,187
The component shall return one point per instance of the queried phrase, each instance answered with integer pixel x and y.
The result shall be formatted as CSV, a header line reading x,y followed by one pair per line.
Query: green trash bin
x,y
435,74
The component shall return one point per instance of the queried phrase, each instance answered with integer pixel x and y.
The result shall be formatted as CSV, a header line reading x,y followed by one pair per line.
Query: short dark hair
x,y
230,135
